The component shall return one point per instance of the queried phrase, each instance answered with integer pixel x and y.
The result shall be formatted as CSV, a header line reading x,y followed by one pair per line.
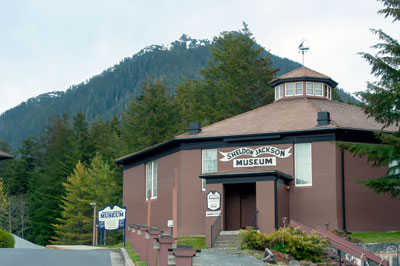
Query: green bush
x,y
287,240
6,239
252,239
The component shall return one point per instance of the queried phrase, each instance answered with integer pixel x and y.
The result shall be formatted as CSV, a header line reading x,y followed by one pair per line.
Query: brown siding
x,y
283,203
191,210
134,193
316,205
366,210
266,206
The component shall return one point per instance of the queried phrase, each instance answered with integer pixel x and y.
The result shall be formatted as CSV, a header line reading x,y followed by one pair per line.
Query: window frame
x,y
312,83
296,166
278,91
322,89
205,169
154,176
295,89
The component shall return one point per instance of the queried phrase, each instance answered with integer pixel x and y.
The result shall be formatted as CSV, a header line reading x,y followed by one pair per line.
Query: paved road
x,y
227,257
53,257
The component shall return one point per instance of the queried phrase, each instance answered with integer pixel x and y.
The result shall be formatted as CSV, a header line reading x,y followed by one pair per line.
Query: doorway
x,y
240,205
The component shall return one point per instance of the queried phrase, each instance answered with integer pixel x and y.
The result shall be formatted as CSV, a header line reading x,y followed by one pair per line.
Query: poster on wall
x,y
213,200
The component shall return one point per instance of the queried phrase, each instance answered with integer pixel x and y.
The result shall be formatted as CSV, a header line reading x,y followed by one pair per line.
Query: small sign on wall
x,y
213,200
213,213
170,223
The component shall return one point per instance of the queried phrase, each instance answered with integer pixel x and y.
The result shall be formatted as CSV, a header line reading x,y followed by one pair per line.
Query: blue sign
x,y
112,218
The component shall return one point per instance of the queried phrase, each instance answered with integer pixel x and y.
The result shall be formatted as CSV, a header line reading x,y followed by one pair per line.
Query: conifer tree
x,y
382,102
236,79
151,118
75,224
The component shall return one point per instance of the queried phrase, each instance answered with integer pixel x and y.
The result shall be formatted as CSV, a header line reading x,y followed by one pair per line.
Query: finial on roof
x,y
303,48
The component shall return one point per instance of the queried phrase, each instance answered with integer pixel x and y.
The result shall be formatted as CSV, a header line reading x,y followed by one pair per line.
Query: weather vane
x,y
303,48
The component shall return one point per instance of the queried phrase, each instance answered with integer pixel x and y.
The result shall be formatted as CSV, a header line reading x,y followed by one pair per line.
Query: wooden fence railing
x,y
342,245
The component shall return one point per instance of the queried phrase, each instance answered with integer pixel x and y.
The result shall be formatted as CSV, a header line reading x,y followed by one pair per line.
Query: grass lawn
x,y
372,237
131,252
198,242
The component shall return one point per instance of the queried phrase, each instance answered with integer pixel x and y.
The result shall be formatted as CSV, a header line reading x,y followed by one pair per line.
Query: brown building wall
x,y
191,199
283,202
366,210
134,193
317,204
266,206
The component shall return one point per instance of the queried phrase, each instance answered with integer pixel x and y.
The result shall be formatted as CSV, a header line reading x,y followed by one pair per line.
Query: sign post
x,y
112,218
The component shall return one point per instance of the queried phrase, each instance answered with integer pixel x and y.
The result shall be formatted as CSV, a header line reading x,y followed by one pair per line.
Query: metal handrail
x,y
342,245
215,229
254,221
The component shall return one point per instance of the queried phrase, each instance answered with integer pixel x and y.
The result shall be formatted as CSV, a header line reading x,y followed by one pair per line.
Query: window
x,y
299,88
209,164
303,173
289,89
310,88
278,92
318,89
394,167
151,179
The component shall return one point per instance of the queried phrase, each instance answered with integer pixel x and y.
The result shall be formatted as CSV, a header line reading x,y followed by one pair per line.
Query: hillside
x,y
104,95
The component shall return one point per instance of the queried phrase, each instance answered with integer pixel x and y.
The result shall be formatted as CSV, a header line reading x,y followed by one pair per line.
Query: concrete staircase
x,y
227,240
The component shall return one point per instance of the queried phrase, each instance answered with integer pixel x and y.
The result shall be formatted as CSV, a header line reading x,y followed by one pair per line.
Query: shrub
x,y
252,239
6,239
302,246
287,240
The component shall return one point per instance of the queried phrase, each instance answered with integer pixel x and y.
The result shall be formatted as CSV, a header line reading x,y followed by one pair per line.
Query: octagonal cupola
x,y
303,82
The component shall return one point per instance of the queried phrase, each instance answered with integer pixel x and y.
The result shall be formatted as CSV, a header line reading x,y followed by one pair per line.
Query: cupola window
x,y
299,88
318,89
289,89
310,88
278,91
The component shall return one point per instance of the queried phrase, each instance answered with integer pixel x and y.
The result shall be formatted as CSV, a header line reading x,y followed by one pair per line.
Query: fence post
x,y
165,244
183,255
151,252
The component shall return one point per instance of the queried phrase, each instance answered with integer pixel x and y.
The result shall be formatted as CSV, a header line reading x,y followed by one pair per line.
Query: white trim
x,y
204,168
312,83
302,88
152,172
293,92
295,165
322,89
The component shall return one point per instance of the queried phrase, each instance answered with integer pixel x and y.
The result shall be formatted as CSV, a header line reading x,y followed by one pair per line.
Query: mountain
x,y
104,95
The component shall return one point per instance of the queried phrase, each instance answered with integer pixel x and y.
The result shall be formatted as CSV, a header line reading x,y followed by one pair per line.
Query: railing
x,y
342,245
254,221
215,229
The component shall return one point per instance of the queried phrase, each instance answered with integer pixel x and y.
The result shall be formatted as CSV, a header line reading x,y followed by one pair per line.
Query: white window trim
x,y
313,91
322,89
295,158
279,88
203,181
153,165
295,89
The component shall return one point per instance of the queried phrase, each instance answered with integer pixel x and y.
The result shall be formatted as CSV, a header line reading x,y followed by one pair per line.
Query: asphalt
x,y
52,257
227,257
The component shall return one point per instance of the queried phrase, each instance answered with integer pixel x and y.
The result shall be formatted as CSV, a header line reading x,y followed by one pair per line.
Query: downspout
x,y
343,193
276,203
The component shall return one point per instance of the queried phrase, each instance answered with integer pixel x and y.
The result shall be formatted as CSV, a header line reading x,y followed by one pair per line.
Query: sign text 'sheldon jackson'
x,y
281,153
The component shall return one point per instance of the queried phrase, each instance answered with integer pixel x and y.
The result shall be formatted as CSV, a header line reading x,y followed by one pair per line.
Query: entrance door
x,y
240,205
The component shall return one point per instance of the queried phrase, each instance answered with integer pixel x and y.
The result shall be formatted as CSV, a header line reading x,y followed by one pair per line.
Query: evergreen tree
x,y
95,184
151,118
47,186
74,227
236,79
382,102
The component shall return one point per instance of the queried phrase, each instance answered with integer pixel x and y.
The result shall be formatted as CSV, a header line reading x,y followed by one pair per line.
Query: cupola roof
x,y
303,74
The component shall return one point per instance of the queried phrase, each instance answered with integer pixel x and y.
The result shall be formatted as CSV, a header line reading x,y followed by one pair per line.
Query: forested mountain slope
x,y
106,94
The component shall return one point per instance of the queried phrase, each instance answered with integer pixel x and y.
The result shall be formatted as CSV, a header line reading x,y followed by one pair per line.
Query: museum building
x,y
276,161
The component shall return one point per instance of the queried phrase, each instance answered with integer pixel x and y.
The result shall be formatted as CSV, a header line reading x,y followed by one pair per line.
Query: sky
x,y
48,45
